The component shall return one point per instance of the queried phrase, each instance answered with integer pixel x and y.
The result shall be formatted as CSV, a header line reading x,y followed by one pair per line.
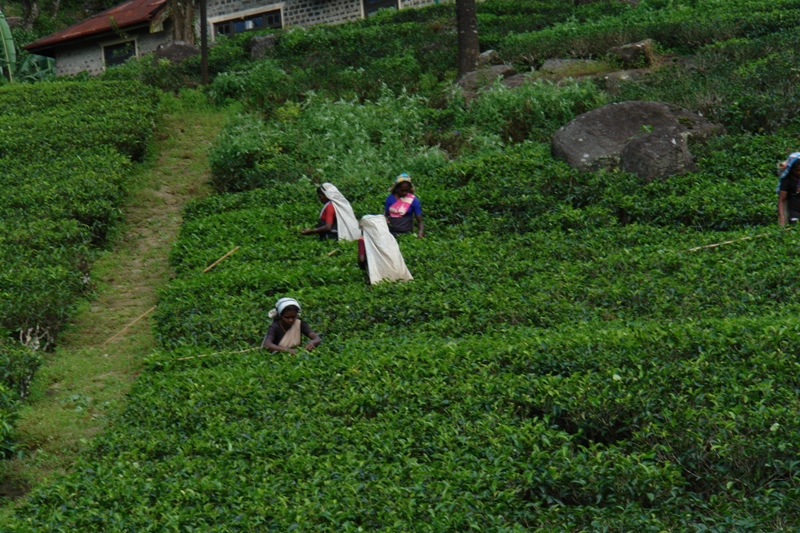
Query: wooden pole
x,y
203,43
696,248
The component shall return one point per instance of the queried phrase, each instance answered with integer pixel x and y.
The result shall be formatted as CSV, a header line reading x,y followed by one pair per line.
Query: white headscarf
x,y
282,304
346,222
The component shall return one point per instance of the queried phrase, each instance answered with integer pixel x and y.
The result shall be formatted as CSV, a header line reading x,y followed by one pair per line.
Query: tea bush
x,y
745,84
65,157
681,27
382,134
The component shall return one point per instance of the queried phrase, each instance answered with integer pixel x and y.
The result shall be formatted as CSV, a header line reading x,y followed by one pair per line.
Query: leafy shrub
x,y
263,87
533,110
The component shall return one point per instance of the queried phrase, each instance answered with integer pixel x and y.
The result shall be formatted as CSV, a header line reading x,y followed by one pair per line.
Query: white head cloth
x,y
282,304
345,218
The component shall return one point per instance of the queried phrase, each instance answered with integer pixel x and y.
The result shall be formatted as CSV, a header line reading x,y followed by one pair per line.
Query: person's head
x,y
402,186
321,195
286,310
794,170
289,315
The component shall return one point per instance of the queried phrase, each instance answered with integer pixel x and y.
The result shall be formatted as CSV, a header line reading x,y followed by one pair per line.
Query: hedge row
x,y
65,158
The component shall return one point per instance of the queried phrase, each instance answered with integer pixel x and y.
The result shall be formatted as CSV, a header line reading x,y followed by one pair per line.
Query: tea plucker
x,y
286,331
402,207
336,219
788,185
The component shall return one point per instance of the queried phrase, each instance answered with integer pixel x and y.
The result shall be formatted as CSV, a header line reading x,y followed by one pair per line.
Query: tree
x,y
183,19
468,48
30,12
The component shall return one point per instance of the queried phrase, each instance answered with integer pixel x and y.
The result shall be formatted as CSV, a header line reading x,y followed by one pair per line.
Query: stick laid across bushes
x,y
215,263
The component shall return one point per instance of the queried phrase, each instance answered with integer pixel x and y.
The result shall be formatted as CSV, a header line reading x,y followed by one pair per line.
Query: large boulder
x,y
472,81
175,52
568,67
259,45
657,155
641,54
598,138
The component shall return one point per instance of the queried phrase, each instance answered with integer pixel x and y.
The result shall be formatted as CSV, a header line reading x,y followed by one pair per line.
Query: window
x,y
117,54
372,6
270,19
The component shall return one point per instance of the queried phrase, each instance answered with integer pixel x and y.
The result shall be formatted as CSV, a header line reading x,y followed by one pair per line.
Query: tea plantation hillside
x,y
577,351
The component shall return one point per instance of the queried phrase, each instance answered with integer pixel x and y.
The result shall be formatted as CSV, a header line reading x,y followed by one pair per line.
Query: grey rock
x,y
566,66
175,51
259,45
597,139
476,79
657,155
613,80
641,54
489,58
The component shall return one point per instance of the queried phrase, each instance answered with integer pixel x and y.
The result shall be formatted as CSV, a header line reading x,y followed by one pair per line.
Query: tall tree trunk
x,y
183,20
468,48
30,12
54,7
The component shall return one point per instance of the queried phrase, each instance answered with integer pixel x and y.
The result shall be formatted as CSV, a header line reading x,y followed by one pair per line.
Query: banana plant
x,y
8,54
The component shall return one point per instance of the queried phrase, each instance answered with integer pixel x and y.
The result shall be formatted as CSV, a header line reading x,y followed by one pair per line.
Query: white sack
x,y
384,260
346,222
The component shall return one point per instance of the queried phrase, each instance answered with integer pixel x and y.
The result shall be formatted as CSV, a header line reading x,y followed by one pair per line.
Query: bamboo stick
x,y
132,323
215,263
215,353
696,248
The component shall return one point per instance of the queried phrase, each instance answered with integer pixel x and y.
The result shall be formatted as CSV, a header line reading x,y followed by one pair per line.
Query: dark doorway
x,y
372,6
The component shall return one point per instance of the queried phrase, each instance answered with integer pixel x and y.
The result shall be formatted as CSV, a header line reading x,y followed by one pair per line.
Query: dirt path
x,y
87,377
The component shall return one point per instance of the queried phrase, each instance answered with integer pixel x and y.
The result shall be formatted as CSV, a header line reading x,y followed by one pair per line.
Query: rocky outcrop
x,y
175,52
259,45
641,54
647,138
566,67
472,81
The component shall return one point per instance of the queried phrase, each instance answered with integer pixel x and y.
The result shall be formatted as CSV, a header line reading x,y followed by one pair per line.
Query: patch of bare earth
x,y
85,380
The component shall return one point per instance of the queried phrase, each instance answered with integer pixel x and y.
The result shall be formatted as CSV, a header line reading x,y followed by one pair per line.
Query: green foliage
x,y
533,110
386,132
568,357
263,87
64,161
684,28
745,84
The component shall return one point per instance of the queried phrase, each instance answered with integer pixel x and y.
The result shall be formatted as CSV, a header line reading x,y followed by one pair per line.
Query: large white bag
x,y
346,222
384,260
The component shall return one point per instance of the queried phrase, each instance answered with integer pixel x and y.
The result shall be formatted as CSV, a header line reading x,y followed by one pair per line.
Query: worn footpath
x,y
85,380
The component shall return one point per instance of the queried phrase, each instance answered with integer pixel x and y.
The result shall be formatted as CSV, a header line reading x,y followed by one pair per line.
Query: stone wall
x,y
304,13
310,12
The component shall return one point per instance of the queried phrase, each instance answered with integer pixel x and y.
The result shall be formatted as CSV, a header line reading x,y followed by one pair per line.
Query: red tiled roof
x,y
126,14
